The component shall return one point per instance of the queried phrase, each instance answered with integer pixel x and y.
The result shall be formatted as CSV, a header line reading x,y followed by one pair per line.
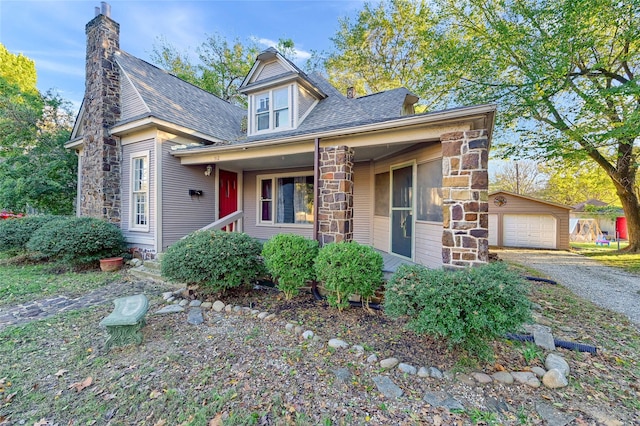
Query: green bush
x,y
348,268
214,260
468,307
289,259
78,240
15,233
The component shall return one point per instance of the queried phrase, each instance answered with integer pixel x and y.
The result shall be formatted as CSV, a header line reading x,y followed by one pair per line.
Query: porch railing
x,y
230,223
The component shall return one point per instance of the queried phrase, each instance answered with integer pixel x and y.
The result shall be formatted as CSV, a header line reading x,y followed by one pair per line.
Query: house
x,y
163,158
520,221
612,224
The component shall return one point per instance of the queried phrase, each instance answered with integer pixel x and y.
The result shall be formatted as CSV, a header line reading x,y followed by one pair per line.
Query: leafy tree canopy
x,y
18,70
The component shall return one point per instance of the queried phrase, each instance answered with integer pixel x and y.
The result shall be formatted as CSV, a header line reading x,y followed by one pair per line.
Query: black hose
x,y
318,296
580,347
542,280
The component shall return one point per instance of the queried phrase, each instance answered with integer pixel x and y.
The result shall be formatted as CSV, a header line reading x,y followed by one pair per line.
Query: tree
x,y
564,71
383,48
571,184
520,177
222,68
35,169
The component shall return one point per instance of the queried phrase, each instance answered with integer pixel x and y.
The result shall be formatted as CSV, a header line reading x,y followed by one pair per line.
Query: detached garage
x,y
521,221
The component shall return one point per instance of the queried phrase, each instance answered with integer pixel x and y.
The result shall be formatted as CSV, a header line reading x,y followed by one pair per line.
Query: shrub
x,y
289,259
468,307
348,268
214,260
77,241
16,232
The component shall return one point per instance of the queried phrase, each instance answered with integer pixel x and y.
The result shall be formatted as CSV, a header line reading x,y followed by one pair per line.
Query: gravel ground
x,y
611,288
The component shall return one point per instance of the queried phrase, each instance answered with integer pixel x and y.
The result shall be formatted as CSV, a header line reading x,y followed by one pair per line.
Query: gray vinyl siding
x,y
138,238
362,202
182,213
131,103
250,220
305,101
269,70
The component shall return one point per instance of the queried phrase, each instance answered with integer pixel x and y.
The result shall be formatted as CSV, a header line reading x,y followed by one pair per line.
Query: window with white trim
x,y
285,199
272,110
140,191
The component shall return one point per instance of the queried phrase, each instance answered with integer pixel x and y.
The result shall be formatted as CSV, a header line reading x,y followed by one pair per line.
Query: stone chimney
x,y
101,154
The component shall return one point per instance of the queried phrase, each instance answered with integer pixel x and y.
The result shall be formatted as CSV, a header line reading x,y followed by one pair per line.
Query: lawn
x,y
610,255
22,282
237,370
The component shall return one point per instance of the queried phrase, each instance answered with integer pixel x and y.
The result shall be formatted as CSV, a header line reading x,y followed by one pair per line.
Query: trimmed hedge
x,y
77,241
289,259
214,260
468,307
16,232
348,268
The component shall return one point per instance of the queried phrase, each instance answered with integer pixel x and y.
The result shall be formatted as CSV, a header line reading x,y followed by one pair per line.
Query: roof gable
x,y
525,197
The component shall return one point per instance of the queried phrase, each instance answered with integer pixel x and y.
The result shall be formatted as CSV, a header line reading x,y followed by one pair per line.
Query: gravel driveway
x,y
611,288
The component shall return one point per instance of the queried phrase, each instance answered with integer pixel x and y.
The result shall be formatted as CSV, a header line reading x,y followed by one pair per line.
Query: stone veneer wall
x,y
335,205
465,206
100,174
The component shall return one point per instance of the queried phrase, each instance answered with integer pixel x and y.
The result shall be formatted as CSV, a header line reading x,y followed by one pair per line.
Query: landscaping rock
x,y
298,329
503,377
482,378
372,358
195,303
497,405
359,350
465,379
170,299
289,327
206,305
218,306
538,371
554,379
386,387
423,372
237,309
195,316
228,308
557,362
270,317
338,344
263,315
308,334
408,369
389,363
542,337
171,309
526,378
435,373
442,399
551,416
343,375
183,302
167,294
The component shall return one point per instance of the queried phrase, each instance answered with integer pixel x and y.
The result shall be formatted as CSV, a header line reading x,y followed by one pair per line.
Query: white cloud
x,y
300,55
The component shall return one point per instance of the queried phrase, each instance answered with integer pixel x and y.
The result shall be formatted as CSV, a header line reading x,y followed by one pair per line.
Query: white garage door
x,y
493,229
528,230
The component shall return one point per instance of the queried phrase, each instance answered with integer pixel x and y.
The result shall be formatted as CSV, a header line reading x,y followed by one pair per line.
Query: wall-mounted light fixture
x,y
208,170
196,192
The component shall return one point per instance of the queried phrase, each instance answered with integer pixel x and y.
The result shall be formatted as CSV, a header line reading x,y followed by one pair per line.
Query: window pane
x,y
262,103
295,200
140,209
281,98
266,188
282,118
429,191
263,121
382,194
402,186
266,211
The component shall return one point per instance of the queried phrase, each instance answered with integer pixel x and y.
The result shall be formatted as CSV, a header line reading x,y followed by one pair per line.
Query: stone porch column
x,y
335,204
465,182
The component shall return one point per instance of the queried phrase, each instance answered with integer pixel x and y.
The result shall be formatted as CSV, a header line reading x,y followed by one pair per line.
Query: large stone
x,y
423,372
435,373
551,416
338,344
171,309
557,362
442,399
218,306
526,378
408,369
386,387
542,337
554,379
389,363
503,377
482,378
195,316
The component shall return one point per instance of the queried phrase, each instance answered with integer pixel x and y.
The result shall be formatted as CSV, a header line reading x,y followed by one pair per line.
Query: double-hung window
x,y
272,110
140,191
285,199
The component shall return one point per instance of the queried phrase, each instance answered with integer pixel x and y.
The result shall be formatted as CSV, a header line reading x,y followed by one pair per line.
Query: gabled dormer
x,y
280,95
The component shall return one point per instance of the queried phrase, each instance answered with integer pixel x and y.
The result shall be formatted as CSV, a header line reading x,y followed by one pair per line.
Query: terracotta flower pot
x,y
111,264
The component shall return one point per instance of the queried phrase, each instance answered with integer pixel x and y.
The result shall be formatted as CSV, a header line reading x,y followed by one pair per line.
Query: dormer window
x,y
272,110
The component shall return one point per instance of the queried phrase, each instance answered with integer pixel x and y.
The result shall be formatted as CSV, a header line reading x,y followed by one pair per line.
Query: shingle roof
x,y
172,99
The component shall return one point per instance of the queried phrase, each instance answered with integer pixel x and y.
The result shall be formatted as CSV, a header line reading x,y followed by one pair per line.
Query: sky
x,y
52,32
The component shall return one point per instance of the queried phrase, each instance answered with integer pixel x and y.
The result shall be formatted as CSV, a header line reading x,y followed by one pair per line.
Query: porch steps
x,y
149,270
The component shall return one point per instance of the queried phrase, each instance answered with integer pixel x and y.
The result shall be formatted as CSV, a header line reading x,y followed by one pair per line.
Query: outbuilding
x,y
520,221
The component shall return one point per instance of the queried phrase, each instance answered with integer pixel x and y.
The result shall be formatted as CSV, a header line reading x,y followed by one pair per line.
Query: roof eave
x,y
152,121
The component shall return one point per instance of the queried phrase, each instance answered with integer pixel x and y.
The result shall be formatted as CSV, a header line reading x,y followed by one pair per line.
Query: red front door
x,y
228,195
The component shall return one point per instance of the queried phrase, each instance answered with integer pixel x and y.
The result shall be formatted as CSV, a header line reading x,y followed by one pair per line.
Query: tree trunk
x,y
631,208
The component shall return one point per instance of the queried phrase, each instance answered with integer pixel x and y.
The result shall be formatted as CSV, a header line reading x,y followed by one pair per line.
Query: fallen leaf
x,y
78,386
154,394
216,421
109,396
61,372
42,422
9,397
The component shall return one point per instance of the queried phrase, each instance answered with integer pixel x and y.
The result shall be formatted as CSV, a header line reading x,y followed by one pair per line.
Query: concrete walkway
x,y
608,287
46,308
